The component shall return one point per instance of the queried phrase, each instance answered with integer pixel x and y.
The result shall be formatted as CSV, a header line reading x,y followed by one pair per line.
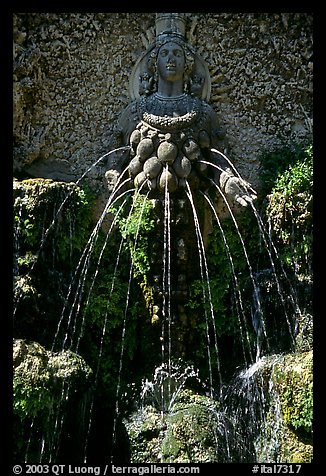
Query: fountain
x,y
174,201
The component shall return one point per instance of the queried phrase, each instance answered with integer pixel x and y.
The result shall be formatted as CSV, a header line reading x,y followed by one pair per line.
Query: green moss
x,y
46,385
229,288
137,224
294,450
278,443
45,210
289,212
185,435
145,432
191,436
294,382
39,377
52,225
136,229
285,433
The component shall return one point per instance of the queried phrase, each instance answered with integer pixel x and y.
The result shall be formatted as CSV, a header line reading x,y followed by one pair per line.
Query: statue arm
x,y
236,189
232,186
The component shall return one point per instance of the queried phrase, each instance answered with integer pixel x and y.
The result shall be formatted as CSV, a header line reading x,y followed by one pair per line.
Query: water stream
x,y
205,279
241,312
166,288
60,210
117,403
269,246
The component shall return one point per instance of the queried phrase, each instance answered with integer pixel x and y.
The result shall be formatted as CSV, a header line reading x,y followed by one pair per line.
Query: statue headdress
x,y
170,27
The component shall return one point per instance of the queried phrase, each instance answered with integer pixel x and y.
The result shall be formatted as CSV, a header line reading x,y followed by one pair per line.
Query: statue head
x,y
170,28
171,58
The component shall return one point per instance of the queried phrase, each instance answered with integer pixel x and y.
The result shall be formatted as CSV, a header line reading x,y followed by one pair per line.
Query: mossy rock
x,y
293,379
286,433
47,385
51,227
278,443
146,429
40,377
192,432
293,450
44,208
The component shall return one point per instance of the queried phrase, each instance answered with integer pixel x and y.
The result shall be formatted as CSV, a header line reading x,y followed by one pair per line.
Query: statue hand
x,y
237,189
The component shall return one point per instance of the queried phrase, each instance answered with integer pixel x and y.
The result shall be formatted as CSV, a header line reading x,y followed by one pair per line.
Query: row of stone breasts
x,y
164,160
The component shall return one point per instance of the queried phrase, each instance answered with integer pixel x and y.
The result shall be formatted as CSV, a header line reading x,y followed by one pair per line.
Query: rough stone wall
x,y
71,73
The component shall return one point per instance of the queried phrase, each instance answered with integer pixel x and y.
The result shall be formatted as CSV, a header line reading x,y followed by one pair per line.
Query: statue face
x,y
171,62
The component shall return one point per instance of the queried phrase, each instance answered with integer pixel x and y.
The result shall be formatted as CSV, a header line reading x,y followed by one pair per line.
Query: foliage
x,y
297,177
289,212
47,212
136,228
274,163
294,382
30,401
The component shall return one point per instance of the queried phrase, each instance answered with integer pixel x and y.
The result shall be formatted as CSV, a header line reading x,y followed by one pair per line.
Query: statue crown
x,y
170,25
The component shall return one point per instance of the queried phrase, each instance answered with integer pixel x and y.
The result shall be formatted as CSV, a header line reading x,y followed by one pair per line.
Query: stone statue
x,y
169,125
172,136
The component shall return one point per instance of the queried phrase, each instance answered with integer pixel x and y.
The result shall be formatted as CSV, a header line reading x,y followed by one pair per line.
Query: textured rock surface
x,y
286,432
36,367
71,73
49,395
191,433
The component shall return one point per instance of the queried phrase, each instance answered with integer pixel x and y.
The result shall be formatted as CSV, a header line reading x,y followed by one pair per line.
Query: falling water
x,y
258,321
256,290
106,314
56,415
117,403
248,399
166,283
204,267
218,152
167,379
108,301
93,279
237,286
83,264
50,444
292,295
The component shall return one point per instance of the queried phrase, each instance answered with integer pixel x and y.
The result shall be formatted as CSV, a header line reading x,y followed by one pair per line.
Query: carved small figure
x,y
146,84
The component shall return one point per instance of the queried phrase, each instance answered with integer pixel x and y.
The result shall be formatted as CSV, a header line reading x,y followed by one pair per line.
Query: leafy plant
x,y
289,211
274,163
297,177
136,229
